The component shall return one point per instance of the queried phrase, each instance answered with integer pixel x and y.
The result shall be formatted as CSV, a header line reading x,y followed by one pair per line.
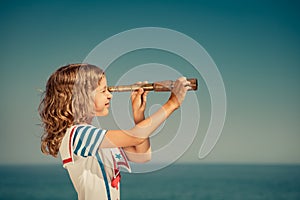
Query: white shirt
x,y
91,169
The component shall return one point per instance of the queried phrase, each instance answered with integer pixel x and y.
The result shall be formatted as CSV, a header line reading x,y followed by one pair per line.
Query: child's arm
x,y
139,133
142,152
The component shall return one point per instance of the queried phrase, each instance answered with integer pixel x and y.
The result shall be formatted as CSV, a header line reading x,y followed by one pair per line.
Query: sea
x,y
175,182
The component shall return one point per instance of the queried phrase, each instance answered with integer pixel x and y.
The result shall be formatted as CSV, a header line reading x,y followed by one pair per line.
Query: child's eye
x,y
104,90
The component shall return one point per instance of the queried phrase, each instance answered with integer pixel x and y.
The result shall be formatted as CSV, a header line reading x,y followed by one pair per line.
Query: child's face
x,y
102,98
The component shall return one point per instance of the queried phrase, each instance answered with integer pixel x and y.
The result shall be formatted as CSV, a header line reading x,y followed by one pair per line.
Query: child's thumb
x,y
141,91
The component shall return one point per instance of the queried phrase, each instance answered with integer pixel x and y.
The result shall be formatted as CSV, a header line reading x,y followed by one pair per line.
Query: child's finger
x,y
133,95
145,95
144,98
145,92
140,91
136,92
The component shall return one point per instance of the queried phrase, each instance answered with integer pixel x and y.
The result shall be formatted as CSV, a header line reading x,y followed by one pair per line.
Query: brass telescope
x,y
161,86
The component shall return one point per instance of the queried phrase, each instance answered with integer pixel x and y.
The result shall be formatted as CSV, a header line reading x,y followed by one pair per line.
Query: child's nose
x,y
109,95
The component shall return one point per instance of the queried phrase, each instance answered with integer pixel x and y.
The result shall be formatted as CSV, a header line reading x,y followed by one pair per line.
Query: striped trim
x,y
120,158
70,159
65,161
104,176
87,140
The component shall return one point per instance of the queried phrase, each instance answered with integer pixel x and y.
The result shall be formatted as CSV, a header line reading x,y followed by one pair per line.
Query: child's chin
x,y
103,114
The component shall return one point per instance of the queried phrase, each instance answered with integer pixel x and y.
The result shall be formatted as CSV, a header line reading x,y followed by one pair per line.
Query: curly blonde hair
x,y
67,101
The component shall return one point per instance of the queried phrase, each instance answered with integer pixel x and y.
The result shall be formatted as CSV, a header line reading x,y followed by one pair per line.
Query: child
x,y
74,95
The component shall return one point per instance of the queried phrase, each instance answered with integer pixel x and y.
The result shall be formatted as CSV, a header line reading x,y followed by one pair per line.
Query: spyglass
x,y
160,86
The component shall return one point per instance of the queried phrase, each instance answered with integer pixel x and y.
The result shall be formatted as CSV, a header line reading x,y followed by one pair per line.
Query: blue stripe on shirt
x,y
88,141
94,144
84,141
104,176
76,133
81,135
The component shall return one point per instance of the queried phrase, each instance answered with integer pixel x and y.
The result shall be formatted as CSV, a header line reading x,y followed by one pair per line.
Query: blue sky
x,y
255,45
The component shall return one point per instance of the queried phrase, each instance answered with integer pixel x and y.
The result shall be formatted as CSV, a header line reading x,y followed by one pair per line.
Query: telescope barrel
x,y
161,86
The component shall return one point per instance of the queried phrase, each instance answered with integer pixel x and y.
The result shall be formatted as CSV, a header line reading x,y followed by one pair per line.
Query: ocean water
x,y
181,181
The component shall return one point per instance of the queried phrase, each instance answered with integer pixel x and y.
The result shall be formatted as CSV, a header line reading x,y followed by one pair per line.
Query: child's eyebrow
x,y
103,88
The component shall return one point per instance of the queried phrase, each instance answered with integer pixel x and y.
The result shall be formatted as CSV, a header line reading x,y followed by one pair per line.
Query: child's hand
x,y
179,90
138,101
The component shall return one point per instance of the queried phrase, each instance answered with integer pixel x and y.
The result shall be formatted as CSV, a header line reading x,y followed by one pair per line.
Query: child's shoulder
x,y
86,128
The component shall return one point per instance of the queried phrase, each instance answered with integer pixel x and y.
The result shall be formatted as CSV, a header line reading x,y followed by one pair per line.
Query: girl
x,y
74,95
